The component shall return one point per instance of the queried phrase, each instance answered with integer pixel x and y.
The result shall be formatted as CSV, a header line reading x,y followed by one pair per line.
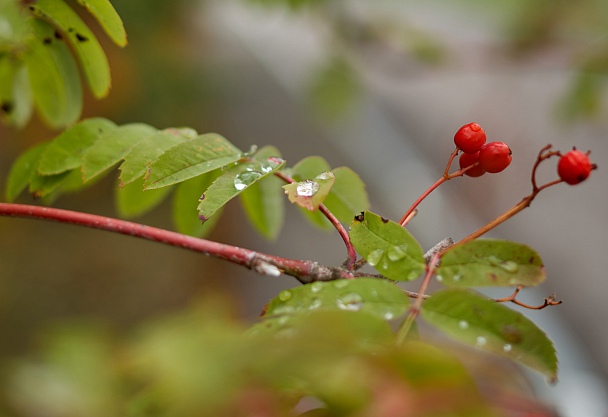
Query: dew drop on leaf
x,y
340,283
388,315
315,303
507,348
307,188
463,324
481,341
375,257
285,295
325,176
284,309
396,253
351,301
439,278
245,179
509,266
316,286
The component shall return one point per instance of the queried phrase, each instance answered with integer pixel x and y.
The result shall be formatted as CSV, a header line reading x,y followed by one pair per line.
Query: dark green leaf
x,y
66,150
388,247
107,17
202,154
112,147
185,202
490,262
90,54
379,297
263,201
478,321
15,92
310,193
53,76
22,170
233,182
347,196
146,151
132,200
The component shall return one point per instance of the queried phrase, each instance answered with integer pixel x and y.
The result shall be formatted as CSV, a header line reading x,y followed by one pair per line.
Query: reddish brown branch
x,y
303,270
549,301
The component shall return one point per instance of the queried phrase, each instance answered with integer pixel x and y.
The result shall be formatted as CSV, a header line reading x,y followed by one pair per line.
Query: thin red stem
x,y
304,271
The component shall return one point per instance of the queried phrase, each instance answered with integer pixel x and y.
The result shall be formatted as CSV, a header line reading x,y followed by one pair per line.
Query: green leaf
x,y
15,92
490,262
112,147
263,201
107,17
146,151
185,202
90,54
388,247
65,151
43,185
202,154
379,297
233,182
132,200
478,321
53,76
334,89
310,193
347,196
22,170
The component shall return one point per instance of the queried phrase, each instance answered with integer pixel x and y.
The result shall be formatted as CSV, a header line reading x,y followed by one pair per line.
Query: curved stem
x,y
304,271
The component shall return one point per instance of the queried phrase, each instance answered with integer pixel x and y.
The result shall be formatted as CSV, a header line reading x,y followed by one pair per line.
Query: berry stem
x,y
303,270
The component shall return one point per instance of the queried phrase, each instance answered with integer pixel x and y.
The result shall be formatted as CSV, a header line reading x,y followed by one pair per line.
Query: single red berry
x,y
495,156
574,167
470,138
468,159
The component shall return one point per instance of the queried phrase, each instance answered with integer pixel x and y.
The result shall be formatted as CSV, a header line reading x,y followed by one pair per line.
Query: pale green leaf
x,y
90,54
132,200
387,246
233,182
145,152
485,324
347,196
22,170
185,203
43,185
53,76
107,17
66,150
263,201
202,154
490,262
15,92
112,147
310,193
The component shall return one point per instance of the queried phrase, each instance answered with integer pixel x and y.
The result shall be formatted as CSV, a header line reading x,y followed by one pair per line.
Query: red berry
x,y
495,156
468,159
574,167
470,138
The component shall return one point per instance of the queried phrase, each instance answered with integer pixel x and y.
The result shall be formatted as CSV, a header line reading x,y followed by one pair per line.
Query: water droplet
x,y
307,188
284,309
463,324
270,164
340,283
374,293
267,269
315,303
439,278
509,266
246,178
375,257
507,348
389,316
351,301
285,295
325,176
457,277
316,286
396,253
481,341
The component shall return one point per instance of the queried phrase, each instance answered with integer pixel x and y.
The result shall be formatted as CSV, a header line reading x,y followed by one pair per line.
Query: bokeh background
x,y
378,86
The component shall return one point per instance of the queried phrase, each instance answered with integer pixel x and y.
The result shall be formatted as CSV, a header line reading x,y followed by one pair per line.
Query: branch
x,y
304,271
549,301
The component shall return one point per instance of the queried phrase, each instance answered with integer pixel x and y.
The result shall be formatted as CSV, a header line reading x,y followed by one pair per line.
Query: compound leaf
x,y
490,262
387,246
112,147
185,202
186,160
485,324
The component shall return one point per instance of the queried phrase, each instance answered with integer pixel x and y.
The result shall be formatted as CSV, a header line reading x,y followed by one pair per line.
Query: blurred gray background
x,y
378,86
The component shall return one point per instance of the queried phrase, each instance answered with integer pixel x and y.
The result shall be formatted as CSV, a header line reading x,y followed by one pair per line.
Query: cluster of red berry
x,y
573,167
488,157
